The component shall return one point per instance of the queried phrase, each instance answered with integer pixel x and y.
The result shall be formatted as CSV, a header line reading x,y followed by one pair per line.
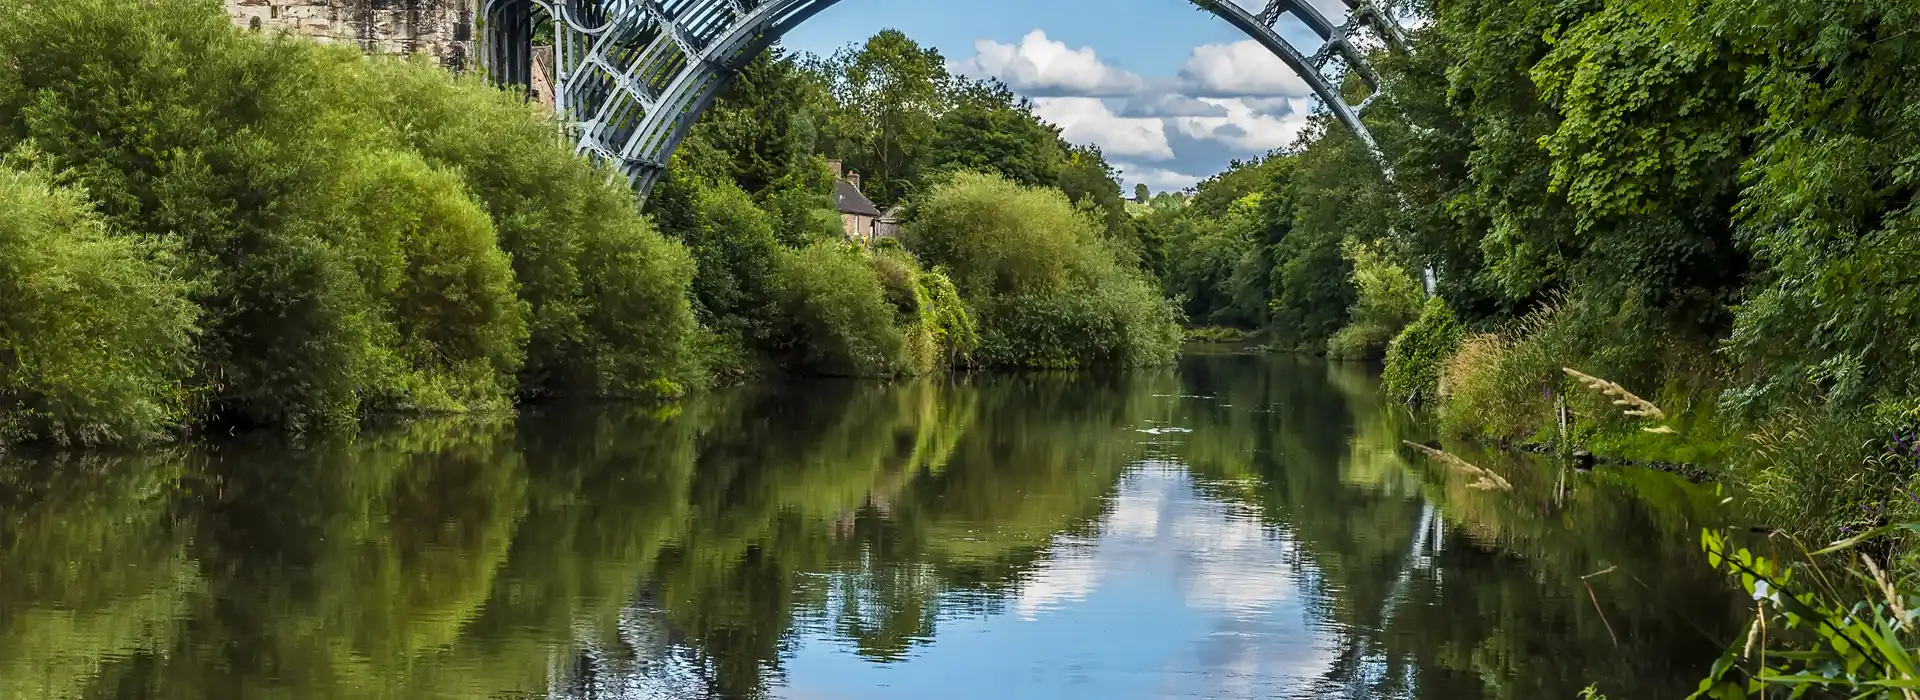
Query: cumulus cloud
x,y
1239,69
1089,120
1269,106
1167,104
1229,100
1042,67
1246,127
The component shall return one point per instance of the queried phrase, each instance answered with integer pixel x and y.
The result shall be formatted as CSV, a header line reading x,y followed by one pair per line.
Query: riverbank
x,y
1813,470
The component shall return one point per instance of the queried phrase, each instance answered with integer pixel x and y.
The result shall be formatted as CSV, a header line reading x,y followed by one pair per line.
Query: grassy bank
x,y
1808,468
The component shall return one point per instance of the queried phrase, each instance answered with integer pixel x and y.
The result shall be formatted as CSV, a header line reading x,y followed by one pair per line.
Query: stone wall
x,y
442,29
541,91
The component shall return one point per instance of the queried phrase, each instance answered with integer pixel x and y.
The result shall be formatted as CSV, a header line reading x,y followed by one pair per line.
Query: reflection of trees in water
x,y
627,552
90,569
347,566
869,511
1480,596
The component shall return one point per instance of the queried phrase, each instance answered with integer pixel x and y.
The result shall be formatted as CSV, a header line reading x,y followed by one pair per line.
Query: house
x,y
888,225
857,213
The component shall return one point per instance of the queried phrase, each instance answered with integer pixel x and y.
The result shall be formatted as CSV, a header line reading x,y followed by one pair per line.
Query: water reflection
x,y
1239,527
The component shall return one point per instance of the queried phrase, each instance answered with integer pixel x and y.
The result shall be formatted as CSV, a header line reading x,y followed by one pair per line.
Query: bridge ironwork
x,y
631,77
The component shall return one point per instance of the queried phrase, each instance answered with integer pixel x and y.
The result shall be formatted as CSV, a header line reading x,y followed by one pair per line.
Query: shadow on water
x,y
1238,526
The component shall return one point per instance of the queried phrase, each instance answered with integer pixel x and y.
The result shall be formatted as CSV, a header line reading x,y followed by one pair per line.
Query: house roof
x,y
848,200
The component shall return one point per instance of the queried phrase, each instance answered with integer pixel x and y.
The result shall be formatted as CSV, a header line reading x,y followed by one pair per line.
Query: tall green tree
x,y
989,129
889,93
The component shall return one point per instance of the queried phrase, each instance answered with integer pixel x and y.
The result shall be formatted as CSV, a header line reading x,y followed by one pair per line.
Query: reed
x,y
1484,480
1638,407
1634,405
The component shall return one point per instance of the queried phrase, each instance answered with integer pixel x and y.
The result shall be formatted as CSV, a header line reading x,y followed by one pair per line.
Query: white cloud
x,y
1089,120
1249,125
1240,69
1272,106
1156,179
1039,66
1167,104
1229,100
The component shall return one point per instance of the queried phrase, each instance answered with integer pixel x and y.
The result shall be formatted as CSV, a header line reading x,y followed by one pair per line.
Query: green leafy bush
x,y
608,312
230,147
1387,299
1047,291
454,319
841,321
1415,357
734,246
998,238
947,317
96,330
1063,331
359,234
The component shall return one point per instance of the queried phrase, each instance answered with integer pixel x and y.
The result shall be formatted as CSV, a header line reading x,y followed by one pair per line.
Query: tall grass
x,y
1501,385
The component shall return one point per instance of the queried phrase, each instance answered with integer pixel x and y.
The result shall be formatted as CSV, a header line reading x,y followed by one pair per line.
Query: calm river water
x,y
1233,527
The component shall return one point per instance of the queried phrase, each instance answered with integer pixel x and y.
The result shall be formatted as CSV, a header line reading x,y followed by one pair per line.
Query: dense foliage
x,y
1031,249
1414,357
1260,246
607,304
356,235
1386,299
95,327
1695,174
1049,290
305,236
1709,199
842,321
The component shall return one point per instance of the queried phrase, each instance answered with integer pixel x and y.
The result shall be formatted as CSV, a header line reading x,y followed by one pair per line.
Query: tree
x,y
1093,186
1048,290
990,130
1141,194
764,120
888,93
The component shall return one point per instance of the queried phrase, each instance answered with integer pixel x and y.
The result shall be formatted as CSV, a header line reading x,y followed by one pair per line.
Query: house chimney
x,y
834,165
853,177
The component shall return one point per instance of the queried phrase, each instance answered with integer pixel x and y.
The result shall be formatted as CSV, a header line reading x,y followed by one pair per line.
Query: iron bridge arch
x,y
631,77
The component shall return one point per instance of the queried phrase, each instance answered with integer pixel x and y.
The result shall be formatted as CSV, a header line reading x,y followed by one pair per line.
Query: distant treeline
x,y
204,225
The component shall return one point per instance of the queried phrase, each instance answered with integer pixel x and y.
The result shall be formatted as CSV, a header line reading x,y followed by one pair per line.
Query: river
x,y
1238,526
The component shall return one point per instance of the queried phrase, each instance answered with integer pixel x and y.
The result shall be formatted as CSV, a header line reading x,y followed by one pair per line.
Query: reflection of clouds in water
x,y
1173,595
1136,511
647,663
1236,575
1228,563
1224,563
1066,579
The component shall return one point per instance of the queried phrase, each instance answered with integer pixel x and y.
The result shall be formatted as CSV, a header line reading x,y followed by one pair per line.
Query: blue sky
x,y
1169,92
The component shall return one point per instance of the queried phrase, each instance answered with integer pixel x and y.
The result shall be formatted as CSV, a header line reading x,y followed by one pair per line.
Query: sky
x,y
1170,93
